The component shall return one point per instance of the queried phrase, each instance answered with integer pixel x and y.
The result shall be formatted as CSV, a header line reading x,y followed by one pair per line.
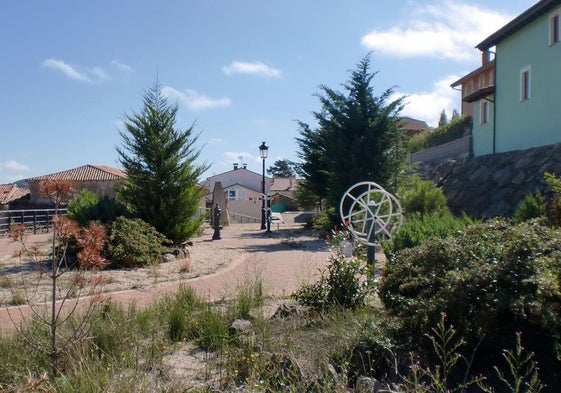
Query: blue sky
x,y
242,72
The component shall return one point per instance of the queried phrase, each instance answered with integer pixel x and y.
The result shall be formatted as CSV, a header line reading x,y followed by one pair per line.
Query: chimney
x,y
244,166
485,57
235,165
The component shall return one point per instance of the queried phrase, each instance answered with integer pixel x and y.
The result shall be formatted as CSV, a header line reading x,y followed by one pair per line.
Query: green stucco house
x,y
515,97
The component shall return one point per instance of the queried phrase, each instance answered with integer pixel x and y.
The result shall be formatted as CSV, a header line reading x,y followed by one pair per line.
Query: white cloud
x,y
215,141
236,156
12,170
447,29
255,68
12,165
427,106
125,68
89,75
195,101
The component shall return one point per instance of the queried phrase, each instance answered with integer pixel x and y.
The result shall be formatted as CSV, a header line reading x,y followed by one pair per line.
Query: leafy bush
x,y
417,230
87,206
340,286
82,207
493,280
554,205
532,206
456,129
324,220
421,197
134,243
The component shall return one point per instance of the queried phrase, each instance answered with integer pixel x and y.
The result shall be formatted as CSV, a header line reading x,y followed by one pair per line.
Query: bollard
x,y
216,223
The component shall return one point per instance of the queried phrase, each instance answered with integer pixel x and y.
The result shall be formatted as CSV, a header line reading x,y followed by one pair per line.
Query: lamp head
x,y
263,150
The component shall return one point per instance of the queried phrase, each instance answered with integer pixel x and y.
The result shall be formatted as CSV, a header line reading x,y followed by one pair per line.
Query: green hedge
x,y
493,280
456,129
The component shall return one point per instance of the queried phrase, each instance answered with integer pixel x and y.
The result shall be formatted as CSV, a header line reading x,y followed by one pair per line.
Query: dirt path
x,y
282,261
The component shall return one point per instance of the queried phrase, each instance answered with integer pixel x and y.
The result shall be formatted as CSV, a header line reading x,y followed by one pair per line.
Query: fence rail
x,y
242,219
36,220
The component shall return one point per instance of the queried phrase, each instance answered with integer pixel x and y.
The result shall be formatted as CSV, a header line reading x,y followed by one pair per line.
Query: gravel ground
x,y
282,261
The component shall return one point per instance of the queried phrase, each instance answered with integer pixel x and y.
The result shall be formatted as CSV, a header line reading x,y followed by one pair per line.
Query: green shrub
x,y
83,207
324,220
340,286
493,280
87,206
532,206
417,230
421,197
134,243
554,204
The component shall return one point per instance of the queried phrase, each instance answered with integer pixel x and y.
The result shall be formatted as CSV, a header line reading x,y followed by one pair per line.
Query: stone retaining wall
x,y
493,185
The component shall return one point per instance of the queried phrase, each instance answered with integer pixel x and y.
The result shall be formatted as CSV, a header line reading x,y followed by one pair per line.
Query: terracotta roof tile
x,y
11,192
283,184
85,173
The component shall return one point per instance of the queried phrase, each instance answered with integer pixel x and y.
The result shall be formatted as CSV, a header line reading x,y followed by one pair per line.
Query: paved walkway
x,y
282,261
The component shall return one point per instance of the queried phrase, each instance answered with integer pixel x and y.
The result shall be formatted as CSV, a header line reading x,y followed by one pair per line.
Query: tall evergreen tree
x,y
161,186
443,120
357,138
455,114
281,168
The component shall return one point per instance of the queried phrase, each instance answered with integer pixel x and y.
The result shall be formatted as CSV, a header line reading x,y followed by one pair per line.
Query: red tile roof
x,y
283,184
11,192
85,173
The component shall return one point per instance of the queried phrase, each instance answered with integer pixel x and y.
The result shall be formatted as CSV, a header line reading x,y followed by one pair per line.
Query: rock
x,y
367,385
286,311
333,374
241,327
181,253
493,185
168,258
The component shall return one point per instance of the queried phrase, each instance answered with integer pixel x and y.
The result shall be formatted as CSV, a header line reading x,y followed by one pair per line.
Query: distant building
x,y
100,179
13,196
243,189
412,126
282,194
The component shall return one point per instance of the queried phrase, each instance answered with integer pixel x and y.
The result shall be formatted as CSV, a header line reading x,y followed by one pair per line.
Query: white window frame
x,y
235,194
525,83
555,27
483,112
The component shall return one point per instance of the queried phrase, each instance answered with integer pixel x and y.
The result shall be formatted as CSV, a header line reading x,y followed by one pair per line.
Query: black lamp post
x,y
263,150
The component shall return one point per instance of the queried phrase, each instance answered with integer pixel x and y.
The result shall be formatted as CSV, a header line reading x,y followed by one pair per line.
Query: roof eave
x,y
474,72
517,23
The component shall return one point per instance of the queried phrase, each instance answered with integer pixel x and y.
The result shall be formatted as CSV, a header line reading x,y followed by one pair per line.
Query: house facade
x,y
282,194
243,189
514,99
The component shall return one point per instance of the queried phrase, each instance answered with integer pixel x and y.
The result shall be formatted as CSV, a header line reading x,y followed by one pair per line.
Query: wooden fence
x,y
37,220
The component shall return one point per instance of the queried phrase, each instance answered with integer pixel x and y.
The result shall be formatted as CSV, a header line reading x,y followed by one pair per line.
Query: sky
x,y
241,71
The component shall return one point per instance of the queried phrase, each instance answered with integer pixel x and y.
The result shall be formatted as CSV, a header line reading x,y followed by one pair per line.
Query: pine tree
x,y
161,186
357,138
443,120
281,168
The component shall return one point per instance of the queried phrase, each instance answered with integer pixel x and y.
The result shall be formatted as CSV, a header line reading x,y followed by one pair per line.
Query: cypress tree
x,y
357,138
160,162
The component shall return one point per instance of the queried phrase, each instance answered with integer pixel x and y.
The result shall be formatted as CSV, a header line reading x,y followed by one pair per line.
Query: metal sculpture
x,y
370,212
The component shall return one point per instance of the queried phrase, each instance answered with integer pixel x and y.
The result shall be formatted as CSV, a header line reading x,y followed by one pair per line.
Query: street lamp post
x,y
263,150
